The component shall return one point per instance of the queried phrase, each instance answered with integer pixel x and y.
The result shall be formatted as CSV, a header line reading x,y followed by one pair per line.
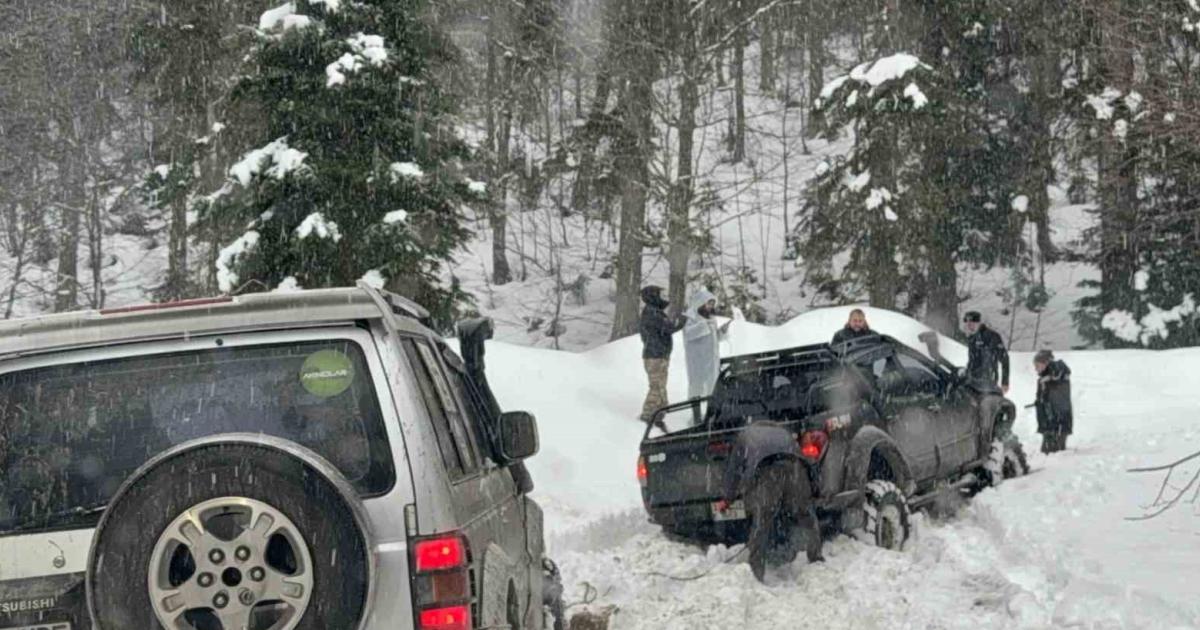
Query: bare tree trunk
x,y
96,248
499,131
942,311
739,95
1043,155
679,224
19,231
816,64
767,52
581,194
67,286
177,252
633,147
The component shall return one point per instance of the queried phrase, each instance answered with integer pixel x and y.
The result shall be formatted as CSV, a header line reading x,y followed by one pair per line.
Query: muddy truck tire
x,y
1006,460
233,532
887,524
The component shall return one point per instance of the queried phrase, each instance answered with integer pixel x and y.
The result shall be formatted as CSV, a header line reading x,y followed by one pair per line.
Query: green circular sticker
x,y
326,373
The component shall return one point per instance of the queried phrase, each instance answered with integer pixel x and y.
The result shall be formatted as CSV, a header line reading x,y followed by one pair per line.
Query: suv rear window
x,y
71,434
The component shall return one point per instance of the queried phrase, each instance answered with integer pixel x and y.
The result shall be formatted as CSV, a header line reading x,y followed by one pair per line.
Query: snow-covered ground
x,y
1050,550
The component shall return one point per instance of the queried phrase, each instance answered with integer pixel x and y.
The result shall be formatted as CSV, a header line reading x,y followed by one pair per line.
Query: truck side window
x,y
442,409
920,377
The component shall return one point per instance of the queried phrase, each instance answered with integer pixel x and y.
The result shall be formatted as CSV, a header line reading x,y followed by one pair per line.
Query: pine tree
x,y
359,177
1147,243
186,55
931,181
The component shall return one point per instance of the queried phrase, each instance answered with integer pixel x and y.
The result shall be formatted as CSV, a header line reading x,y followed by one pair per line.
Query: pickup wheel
x,y
254,534
887,523
782,520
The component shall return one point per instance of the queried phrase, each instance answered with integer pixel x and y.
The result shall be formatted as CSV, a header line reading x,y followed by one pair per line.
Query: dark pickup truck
x,y
876,427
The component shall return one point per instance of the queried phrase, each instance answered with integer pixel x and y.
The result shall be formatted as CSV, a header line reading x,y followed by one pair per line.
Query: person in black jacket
x,y
855,328
1054,417
987,358
656,329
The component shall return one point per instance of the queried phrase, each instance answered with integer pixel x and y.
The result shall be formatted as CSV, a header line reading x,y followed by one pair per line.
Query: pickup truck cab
x,y
313,460
876,427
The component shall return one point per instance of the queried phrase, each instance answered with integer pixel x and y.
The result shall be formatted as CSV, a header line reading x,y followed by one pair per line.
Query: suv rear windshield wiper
x,y
54,519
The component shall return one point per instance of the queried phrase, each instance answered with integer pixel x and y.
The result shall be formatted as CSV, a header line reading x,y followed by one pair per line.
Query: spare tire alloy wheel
x,y
234,532
193,568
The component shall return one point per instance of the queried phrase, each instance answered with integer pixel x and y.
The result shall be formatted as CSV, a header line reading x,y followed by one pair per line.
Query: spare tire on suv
x,y
234,532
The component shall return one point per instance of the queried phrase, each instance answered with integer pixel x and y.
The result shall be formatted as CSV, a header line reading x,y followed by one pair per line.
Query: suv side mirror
x,y
518,436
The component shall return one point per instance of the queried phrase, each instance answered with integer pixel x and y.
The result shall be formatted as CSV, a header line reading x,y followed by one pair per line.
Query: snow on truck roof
x,y
256,311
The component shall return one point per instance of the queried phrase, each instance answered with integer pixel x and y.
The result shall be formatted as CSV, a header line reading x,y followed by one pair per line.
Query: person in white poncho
x,y
701,336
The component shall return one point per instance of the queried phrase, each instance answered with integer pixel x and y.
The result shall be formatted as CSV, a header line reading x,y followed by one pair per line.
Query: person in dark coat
x,y
656,328
780,487
987,357
855,328
1054,416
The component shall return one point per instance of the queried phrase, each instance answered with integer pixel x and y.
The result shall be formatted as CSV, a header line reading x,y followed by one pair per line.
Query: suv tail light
x,y
441,577
438,554
449,618
643,473
812,444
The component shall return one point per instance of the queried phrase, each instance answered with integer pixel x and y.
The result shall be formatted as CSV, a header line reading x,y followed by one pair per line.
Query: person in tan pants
x,y
656,328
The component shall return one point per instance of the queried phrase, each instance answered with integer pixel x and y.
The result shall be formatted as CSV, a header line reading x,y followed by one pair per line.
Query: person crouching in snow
x,y
701,337
656,329
1054,414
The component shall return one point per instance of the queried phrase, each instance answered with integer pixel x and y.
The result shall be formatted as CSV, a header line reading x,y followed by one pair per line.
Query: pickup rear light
x,y
719,448
448,618
812,444
441,582
643,473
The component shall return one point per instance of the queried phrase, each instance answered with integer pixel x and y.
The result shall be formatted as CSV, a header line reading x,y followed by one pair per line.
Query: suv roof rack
x,y
394,303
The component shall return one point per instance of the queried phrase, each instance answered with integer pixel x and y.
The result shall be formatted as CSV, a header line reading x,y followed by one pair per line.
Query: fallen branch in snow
x,y
1159,505
590,595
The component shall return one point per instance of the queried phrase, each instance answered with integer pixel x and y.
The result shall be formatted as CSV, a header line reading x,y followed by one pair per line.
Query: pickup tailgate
x,y
683,469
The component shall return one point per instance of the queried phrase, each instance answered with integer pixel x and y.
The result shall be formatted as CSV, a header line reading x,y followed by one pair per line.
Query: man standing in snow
x,y
855,328
701,337
987,357
1054,414
656,329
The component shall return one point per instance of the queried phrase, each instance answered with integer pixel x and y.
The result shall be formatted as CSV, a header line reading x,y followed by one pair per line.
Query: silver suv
x,y
314,460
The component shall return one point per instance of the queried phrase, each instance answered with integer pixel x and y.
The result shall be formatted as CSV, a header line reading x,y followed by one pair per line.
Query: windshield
x,y
71,434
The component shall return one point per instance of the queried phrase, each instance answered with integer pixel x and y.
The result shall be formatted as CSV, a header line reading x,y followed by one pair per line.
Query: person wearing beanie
x,y
1054,414
987,357
656,329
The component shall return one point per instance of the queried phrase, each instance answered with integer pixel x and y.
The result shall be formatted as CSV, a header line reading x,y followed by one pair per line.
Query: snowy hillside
x,y
754,204
1050,550
757,202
